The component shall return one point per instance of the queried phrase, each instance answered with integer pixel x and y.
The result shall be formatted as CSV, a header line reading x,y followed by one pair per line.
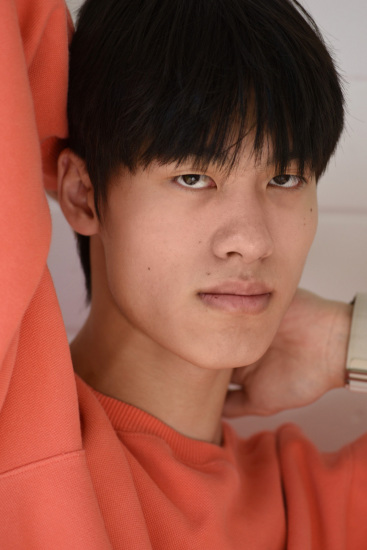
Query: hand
x,y
306,359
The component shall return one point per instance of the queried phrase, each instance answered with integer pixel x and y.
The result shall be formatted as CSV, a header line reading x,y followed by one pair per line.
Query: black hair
x,y
171,79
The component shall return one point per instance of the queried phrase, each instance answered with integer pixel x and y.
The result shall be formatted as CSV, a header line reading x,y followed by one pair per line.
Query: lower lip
x,y
235,303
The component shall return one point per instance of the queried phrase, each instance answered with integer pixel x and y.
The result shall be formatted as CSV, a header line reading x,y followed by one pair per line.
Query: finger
x,y
235,404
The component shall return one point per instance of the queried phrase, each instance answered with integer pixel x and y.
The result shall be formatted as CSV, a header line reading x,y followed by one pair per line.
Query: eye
x,y
193,181
288,181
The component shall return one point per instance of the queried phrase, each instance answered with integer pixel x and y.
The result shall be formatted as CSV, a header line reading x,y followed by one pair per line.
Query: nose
x,y
243,228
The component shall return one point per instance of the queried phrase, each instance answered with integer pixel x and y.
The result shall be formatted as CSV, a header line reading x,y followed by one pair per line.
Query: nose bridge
x,y
244,224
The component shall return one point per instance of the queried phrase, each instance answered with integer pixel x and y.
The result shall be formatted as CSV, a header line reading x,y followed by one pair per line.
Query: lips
x,y
235,303
238,297
239,288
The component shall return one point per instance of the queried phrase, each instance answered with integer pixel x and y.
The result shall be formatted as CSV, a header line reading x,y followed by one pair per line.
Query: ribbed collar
x,y
127,419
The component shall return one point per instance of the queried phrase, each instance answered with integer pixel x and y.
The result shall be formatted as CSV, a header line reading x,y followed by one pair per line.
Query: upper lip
x,y
238,287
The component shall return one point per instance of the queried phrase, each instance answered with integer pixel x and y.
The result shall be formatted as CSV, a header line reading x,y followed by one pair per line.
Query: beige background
x,y
337,264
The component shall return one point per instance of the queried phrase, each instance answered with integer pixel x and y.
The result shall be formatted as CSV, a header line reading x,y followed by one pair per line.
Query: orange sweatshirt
x,y
79,471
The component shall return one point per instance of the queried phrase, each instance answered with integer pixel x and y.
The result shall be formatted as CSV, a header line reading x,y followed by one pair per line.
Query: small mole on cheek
x,y
148,268
208,274
311,210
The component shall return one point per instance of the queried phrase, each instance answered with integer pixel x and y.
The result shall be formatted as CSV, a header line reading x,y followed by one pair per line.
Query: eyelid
x,y
303,180
193,173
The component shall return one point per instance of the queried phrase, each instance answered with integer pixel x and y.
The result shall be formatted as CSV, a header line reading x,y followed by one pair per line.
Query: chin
x,y
229,361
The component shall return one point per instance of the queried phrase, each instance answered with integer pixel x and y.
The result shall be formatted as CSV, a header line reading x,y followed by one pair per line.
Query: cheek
x,y
298,238
310,221
142,254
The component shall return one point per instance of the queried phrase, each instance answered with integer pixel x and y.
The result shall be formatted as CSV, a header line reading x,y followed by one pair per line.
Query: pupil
x,y
281,179
190,179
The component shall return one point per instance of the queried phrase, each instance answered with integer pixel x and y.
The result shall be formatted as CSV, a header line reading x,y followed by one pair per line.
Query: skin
x,y
149,340
306,359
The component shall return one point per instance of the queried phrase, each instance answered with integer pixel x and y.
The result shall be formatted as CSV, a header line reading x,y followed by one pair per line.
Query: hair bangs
x,y
269,82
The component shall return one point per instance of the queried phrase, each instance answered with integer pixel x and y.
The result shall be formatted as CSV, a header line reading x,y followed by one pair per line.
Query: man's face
x,y
171,233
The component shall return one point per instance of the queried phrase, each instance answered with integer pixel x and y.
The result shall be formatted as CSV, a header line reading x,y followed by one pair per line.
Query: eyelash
x,y
302,182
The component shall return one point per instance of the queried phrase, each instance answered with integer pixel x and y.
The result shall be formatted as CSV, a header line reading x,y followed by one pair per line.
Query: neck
x,y
121,363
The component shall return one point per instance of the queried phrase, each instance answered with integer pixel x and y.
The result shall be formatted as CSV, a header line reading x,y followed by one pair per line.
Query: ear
x,y
76,194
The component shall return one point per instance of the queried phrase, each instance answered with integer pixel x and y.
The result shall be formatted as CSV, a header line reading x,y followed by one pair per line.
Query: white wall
x,y
337,264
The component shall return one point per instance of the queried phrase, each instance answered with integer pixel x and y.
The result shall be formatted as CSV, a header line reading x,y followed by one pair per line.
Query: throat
x,y
187,398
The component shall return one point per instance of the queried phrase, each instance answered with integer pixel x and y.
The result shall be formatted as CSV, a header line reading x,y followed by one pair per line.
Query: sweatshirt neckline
x,y
128,419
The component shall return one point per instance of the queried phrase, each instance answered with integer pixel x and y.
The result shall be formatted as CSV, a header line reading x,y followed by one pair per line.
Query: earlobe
x,y
76,194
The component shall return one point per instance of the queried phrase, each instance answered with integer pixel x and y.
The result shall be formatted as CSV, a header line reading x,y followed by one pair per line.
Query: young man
x,y
196,180
198,133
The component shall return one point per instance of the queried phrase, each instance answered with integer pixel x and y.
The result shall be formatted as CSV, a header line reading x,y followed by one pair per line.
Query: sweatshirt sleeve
x,y
47,499
34,354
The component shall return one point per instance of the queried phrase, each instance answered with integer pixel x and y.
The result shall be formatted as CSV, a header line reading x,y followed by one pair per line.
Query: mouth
x,y
237,303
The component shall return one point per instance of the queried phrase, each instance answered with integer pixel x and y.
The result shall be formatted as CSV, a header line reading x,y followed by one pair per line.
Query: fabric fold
x,y
47,495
